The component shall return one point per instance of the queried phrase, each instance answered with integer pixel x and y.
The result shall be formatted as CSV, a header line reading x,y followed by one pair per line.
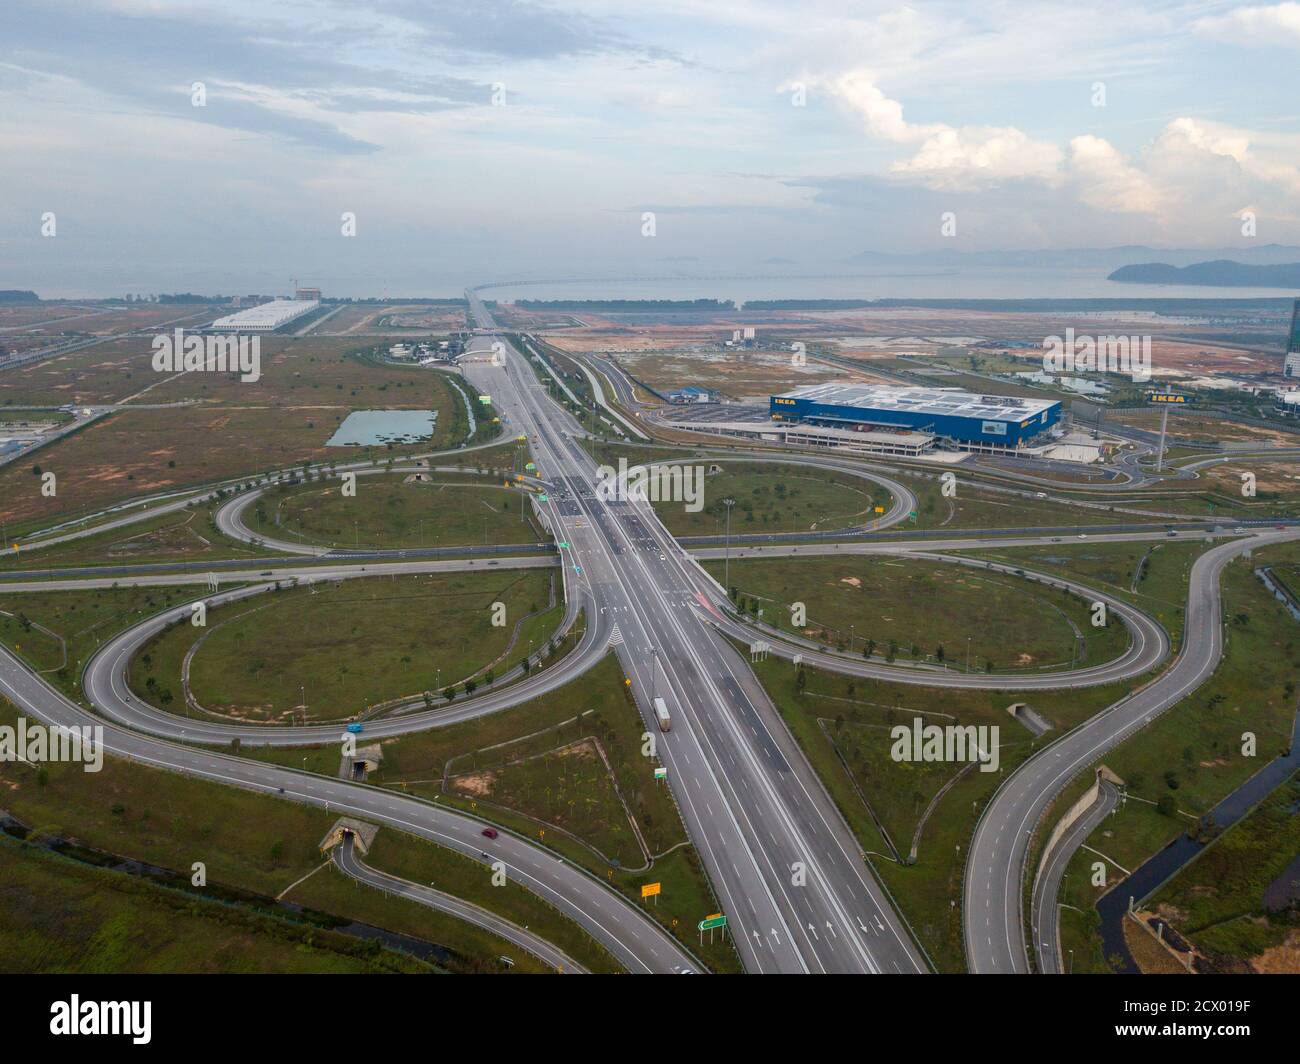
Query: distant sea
x,y
982,283
685,281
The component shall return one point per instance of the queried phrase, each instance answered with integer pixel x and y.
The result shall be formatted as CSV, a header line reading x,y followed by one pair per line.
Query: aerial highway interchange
x,y
786,867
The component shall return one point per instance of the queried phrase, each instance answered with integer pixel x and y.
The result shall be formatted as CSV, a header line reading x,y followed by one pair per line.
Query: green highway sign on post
x,y
563,545
709,923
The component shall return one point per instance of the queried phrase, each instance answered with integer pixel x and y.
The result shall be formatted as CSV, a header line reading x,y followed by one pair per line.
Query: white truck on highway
x,y
661,715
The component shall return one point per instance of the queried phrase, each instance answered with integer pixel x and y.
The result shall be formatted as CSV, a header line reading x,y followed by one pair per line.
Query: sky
x,y
218,146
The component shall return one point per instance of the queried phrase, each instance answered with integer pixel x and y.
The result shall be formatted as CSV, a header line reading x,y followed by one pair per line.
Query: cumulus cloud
x,y
947,156
1106,181
1276,24
1192,168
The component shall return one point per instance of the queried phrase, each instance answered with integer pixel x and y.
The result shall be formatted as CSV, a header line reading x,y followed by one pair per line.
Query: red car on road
x,y
489,833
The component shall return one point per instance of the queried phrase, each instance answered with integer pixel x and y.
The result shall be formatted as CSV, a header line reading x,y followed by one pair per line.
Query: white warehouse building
x,y
266,317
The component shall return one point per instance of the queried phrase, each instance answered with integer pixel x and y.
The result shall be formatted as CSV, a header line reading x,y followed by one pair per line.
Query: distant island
x,y
1221,272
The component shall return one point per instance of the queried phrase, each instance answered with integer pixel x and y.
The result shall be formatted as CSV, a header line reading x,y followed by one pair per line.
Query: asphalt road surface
x,y
348,861
995,865
787,870
632,938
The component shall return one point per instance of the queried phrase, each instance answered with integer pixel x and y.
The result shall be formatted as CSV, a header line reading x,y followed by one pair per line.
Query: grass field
x,y
347,645
1151,574
1218,901
1192,756
57,915
308,387
182,535
391,512
925,611
535,768
57,631
842,723
774,498
976,507
255,843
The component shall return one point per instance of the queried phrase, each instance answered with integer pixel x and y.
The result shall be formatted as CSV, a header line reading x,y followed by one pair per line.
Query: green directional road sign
x,y
564,545
543,497
710,922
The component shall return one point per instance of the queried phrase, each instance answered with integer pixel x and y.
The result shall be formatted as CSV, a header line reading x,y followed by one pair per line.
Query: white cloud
x,y
1106,181
947,156
1253,26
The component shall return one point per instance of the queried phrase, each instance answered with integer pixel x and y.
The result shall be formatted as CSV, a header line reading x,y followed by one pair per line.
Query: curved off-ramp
x,y
631,937
347,861
993,910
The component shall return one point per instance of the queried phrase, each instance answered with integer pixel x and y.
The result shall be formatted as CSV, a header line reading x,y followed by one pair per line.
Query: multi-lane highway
x,y
785,867
787,870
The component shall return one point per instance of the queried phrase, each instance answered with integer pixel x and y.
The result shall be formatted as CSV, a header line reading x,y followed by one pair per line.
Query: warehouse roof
x,y
277,312
950,402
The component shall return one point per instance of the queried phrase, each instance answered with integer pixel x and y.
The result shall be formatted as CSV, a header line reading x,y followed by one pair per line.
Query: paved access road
x,y
349,862
1045,914
633,939
995,865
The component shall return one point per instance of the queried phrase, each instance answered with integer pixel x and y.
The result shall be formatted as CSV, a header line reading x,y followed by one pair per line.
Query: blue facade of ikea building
x,y
992,421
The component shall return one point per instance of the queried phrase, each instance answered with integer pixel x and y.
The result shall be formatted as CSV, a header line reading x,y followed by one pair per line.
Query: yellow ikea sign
x,y
783,402
1166,397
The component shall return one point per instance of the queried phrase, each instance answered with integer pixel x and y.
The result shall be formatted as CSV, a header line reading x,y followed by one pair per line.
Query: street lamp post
x,y
726,565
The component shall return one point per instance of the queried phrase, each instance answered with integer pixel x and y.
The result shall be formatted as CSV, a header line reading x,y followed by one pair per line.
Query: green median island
x,y
769,497
569,771
400,510
921,611
338,650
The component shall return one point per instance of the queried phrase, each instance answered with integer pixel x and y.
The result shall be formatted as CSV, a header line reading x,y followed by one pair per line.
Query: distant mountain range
x,y
1104,258
1223,273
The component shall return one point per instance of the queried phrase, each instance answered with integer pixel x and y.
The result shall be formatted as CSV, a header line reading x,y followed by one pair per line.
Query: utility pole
x,y
726,565
1160,451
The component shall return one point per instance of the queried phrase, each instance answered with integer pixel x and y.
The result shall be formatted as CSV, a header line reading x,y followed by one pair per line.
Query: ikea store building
x,y
990,423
